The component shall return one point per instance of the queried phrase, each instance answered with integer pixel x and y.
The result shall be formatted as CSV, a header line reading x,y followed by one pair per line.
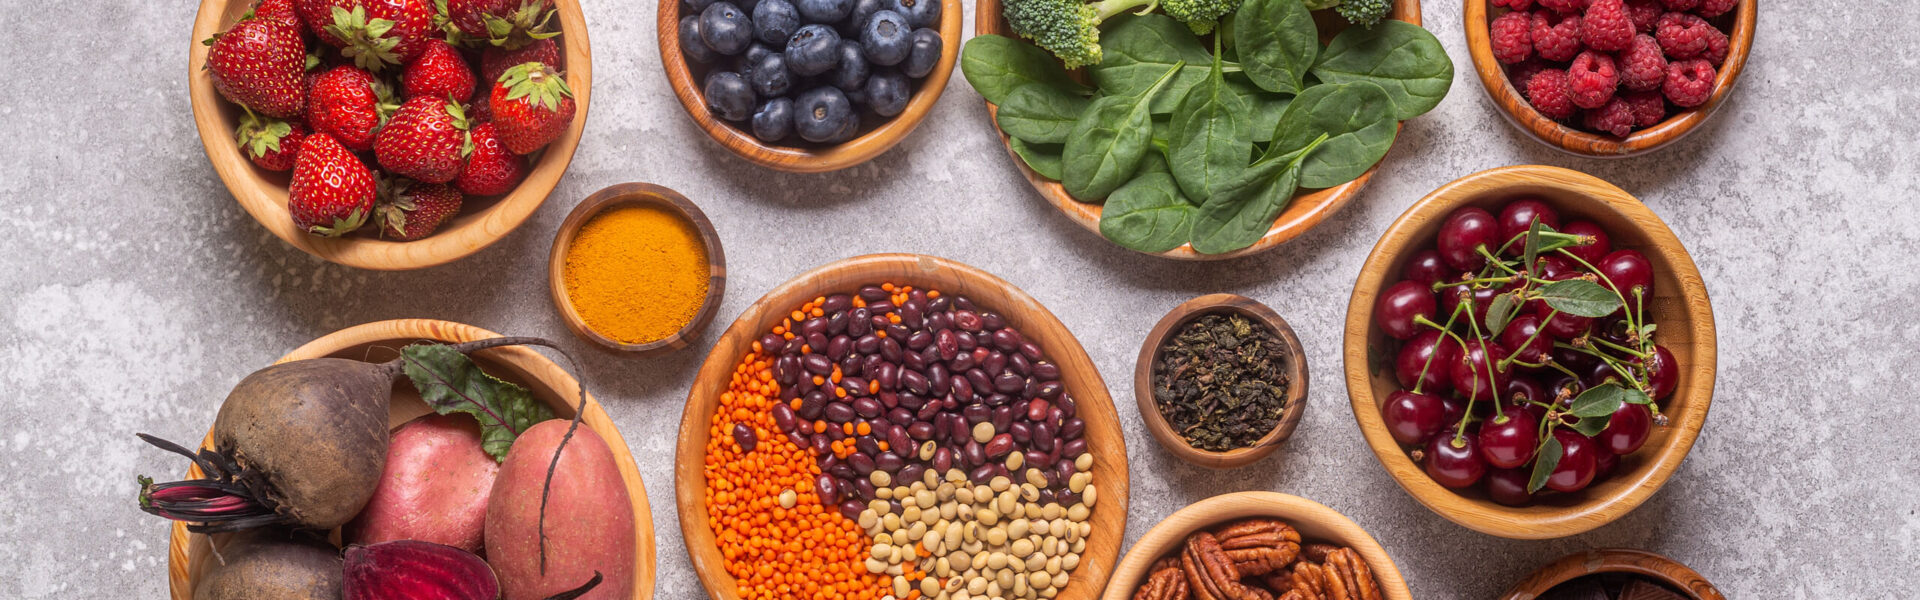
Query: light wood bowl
x,y
1104,438
1514,106
636,194
807,157
1617,560
1679,306
1178,318
482,220
1307,209
1313,520
188,553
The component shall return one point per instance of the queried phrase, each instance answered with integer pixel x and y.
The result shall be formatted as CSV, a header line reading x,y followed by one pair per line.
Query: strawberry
x,y
426,140
440,72
332,191
531,107
257,64
374,33
348,103
509,24
495,61
411,210
270,143
491,169
279,10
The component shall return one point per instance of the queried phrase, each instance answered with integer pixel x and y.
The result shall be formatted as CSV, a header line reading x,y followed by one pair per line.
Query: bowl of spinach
x,y
1209,145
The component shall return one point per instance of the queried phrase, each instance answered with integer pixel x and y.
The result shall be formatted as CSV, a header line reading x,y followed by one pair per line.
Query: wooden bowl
x,y
1178,318
1313,520
807,157
1306,210
1618,560
636,194
481,221
1679,306
1514,106
1104,438
188,553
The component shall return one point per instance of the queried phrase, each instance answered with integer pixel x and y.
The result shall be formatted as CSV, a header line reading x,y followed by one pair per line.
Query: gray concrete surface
x,y
136,292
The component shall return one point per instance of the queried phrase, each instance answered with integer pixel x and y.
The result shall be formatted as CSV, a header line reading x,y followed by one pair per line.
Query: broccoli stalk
x,y
1070,29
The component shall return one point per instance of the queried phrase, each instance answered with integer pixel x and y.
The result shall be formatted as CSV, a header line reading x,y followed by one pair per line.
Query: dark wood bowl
x,y
1179,317
1617,560
638,194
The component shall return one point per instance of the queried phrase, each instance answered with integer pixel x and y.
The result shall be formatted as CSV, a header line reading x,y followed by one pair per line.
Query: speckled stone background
x,y
136,292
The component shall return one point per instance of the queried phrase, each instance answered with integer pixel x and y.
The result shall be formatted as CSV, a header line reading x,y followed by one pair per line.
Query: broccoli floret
x,y
1070,29
1319,4
1364,12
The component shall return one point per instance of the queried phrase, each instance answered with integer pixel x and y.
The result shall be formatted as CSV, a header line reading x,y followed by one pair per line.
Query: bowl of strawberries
x,y
390,134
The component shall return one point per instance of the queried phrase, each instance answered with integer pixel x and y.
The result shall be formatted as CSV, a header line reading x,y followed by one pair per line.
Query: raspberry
x,y
1512,37
1565,7
1682,35
1715,8
1680,5
1642,66
1648,107
1548,93
1556,37
1615,117
1689,83
1716,51
1522,73
1644,13
1591,79
1606,26
1514,4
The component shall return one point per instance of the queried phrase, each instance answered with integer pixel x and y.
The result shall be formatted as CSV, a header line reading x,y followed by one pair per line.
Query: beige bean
x,y
1078,513
1050,511
983,431
1040,579
1000,484
1069,562
1015,461
1090,496
876,566
977,585
1083,462
1078,482
868,519
1035,477
881,479
1021,547
996,536
996,561
987,516
884,493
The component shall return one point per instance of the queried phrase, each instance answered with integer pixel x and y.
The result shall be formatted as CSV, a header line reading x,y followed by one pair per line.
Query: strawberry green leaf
x,y
450,383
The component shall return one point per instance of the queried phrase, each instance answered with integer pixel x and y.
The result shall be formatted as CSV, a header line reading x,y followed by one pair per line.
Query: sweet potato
x,y
588,523
434,488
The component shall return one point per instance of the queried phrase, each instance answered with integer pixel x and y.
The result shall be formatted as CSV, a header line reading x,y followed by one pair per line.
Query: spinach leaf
x,y
1148,214
1357,120
1209,140
1106,144
1277,43
1263,108
1400,57
1245,210
1139,48
996,65
1042,158
1040,113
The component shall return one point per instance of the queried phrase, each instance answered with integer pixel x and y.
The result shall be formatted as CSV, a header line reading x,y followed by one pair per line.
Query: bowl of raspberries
x,y
390,134
808,86
1609,78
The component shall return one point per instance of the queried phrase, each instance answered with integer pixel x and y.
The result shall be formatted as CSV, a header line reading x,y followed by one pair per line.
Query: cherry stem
x,y
1536,335
1625,373
1621,348
1495,260
1460,432
1422,380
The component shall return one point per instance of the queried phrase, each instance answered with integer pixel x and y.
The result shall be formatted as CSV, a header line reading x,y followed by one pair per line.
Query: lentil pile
x,y
898,444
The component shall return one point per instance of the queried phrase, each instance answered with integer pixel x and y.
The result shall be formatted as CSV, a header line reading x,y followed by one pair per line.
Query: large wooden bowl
x,y
646,194
1679,306
1179,317
1619,560
188,553
1307,209
1314,521
1514,106
793,155
1083,382
481,221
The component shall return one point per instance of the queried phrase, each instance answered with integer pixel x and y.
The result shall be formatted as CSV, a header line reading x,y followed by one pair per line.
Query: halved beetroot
x,y
415,570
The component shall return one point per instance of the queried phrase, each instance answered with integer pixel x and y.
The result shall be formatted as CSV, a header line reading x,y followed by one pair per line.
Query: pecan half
x,y
1212,575
1167,582
1350,571
1317,552
1259,546
1309,580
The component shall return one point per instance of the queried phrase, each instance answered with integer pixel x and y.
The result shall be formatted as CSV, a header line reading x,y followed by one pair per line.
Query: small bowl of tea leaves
x,y
1221,381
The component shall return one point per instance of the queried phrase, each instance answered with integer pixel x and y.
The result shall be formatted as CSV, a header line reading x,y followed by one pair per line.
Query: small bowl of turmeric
x,y
637,268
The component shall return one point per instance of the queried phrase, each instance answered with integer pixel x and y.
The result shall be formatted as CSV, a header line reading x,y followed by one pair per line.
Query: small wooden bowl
x,y
1679,306
1313,520
1514,106
1306,211
1171,324
808,157
1104,438
481,222
637,194
1617,560
188,553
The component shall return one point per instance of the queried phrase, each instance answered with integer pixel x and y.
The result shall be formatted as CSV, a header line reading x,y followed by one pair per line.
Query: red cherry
x,y
1555,268
1627,430
1509,486
1426,267
1456,408
1603,465
1413,360
1663,374
1591,252
1478,373
1518,217
1576,466
1628,272
1508,441
1521,334
1412,417
1399,306
1454,465
1525,391
1465,231
1561,326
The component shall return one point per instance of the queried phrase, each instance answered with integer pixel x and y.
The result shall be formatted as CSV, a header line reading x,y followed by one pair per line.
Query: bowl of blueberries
x,y
808,86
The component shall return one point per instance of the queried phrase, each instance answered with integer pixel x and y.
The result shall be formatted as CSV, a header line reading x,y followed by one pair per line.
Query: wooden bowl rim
x,y
464,234
1291,223
690,451
1515,108
810,159
1614,560
622,194
1483,515
1171,531
1179,317
550,375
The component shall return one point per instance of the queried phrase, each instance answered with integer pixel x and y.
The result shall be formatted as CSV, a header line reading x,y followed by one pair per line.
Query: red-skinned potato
x,y
434,488
589,517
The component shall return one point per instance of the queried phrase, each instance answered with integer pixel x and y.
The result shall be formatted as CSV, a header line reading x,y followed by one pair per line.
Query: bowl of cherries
x,y
1530,352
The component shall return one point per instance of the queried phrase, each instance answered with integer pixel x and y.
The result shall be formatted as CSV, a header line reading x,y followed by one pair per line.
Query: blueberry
x,y
692,7
690,42
851,72
887,92
757,50
824,11
729,96
813,50
746,6
847,131
773,121
925,54
769,77
919,13
725,28
774,21
886,39
862,9
821,114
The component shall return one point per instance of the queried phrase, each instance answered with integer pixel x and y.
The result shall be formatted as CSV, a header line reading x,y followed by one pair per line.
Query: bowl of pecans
x,y
1257,545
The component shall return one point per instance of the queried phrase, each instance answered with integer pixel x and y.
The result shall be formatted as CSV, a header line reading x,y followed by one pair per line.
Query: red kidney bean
x,y
873,366
1007,383
828,491
962,303
813,325
1049,389
1066,497
786,370
890,350
817,341
911,401
1047,496
1018,363
836,303
920,430
744,436
838,347
817,364
861,463
911,316
1043,437
961,361
1006,339
900,416
873,293
867,407
999,446
821,444
937,377
1031,350
940,305
927,411
897,437
1065,404
856,386
981,473
899,332
1035,457
836,323
1022,432
966,320
1046,371
859,322
942,459
978,380
990,321
846,476
961,387
1074,448
966,343
1056,417
783,416
867,344
1072,429
890,463
912,472
851,364
867,445
1002,418
1037,409
939,321
914,361
1062,471
914,381
993,363
998,400
975,453
771,344
839,413
864,490
976,414
798,439
811,405
880,308
947,343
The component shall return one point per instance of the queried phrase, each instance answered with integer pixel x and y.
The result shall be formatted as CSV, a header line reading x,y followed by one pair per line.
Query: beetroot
x,y
414,570
271,564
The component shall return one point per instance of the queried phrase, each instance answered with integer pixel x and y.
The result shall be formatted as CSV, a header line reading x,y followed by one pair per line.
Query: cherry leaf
x,y
1580,298
1544,463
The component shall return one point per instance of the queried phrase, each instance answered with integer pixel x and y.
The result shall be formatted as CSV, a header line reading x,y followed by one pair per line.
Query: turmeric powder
x,y
637,274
